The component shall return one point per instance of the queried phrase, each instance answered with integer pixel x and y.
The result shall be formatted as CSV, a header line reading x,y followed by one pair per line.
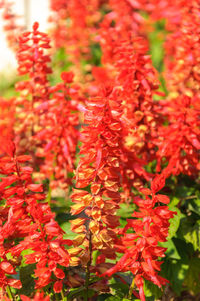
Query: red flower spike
x,y
100,167
150,228
11,28
178,143
33,61
59,120
29,224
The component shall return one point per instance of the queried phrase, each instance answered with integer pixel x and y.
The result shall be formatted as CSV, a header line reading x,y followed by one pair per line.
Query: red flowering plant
x,y
182,58
116,229
74,30
98,168
11,28
141,248
138,83
32,62
58,131
178,143
7,112
27,224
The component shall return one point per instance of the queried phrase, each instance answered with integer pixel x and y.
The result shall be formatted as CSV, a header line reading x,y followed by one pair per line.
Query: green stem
x,y
9,293
49,196
131,289
87,279
63,296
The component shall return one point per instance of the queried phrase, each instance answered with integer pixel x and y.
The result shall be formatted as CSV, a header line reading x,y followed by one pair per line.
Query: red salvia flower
x,y
182,58
99,167
28,224
179,142
11,28
141,250
33,62
39,296
58,134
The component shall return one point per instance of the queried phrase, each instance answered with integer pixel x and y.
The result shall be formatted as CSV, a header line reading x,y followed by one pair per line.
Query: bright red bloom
x,y
99,166
39,296
179,142
27,224
141,250
58,132
33,61
182,58
12,28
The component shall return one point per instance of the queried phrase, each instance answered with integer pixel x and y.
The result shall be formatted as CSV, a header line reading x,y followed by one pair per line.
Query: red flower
x,y
141,250
27,224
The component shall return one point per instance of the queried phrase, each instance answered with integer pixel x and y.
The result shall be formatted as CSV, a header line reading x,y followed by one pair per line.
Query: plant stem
x,y
62,295
87,279
9,293
131,289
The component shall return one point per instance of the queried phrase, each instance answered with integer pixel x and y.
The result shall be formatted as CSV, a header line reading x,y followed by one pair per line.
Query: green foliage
x,y
175,271
95,50
157,37
80,292
190,231
152,291
27,280
175,221
192,277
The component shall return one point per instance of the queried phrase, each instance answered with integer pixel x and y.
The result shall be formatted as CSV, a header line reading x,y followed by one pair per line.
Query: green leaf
x,y
150,289
171,249
193,276
173,202
175,221
27,280
67,228
114,298
120,289
184,249
103,297
175,271
126,210
194,205
79,292
191,233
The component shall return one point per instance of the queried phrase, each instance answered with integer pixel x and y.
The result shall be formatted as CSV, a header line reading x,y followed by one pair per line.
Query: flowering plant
x,y
99,154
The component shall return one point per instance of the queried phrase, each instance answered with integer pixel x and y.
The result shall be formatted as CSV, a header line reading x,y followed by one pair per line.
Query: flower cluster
x,y
32,62
99,168
27,224
182,58
179,143
11,27
96,127
150,226
58,132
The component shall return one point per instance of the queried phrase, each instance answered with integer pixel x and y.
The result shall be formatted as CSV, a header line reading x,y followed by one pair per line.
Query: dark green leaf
x,y
193,276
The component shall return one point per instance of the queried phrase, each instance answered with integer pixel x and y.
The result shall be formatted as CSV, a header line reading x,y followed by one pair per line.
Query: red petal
x,y
59,273
23,158
146,191
14,283
7,267
163,198
35,187
58,286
